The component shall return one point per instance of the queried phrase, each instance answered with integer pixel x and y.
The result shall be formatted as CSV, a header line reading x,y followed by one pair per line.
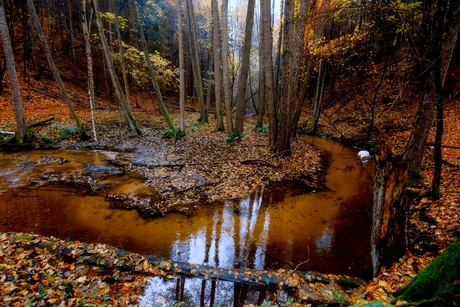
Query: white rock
x,y
364,155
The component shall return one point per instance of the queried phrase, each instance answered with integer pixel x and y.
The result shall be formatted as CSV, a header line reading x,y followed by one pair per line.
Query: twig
x,y
197,186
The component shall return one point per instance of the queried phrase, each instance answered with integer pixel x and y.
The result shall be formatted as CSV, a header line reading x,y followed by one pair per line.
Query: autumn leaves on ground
x,y
34,272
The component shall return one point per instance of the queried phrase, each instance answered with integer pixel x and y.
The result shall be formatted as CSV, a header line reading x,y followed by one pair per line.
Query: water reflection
x,y
280,226
197,292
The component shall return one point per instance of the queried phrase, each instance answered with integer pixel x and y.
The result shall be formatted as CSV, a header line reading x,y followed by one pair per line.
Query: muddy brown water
x,y
276,227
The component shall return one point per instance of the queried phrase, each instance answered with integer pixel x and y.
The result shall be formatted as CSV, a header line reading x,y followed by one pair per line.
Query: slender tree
x,y
225,70
172,130
318,98
440,69
242,86
195,57
89,58
435,51
80,128
121,50
181,70
285,97
111,67
267,55
21,131
216,44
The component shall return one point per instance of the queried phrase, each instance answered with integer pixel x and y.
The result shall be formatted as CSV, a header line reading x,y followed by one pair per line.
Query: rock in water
x,y
364,155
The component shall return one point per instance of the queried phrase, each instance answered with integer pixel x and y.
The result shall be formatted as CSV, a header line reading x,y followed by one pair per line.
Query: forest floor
x,y
203,167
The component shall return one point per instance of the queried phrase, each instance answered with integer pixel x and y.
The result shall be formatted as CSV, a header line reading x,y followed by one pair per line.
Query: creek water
x,y
277,227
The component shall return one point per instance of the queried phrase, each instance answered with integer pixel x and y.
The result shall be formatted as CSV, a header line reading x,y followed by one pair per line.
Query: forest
x,y
210,101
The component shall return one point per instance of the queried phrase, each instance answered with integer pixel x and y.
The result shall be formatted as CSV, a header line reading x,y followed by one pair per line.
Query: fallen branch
x,y
41,122
445,146
52,95
7,132
197,187
257,161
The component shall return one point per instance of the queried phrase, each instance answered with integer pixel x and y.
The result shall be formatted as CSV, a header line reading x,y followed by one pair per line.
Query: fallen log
x,y
136,263
117,263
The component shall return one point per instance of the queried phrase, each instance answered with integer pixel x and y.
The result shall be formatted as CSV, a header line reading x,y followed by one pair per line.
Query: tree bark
x,y
440,49
268,71
181,71
262,102
216,44
390,212
21,134
242,87
195,57
111,67
89,58
121,50
284,99
81,129
225,72
171,128
319,98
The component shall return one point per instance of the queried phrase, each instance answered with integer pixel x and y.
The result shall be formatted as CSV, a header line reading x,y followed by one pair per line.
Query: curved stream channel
x,y
278,227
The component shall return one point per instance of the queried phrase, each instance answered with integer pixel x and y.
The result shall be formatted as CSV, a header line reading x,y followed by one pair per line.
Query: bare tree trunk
x,y
242,87
262,103
171,129
80,128
225,72
181,72
284,99
72,38
194,50
111,67
444,33
121,50
22,133
390,213
89,57
319,98
216,44
268,71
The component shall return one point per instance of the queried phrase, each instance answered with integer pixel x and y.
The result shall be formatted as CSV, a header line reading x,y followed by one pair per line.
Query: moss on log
x,y
438,284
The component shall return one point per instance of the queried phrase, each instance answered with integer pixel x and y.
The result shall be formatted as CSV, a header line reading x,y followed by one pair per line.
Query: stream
x,y
280,226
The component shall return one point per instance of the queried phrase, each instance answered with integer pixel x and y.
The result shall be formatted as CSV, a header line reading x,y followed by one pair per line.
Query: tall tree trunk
x,y
284,99
301,64
72,38
225,71
194,50
319,98
181,71
216,44
171,128
121,50
21,131
89,58
268,71
111,67
441,49
262,103
80,128
241,97
447,42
